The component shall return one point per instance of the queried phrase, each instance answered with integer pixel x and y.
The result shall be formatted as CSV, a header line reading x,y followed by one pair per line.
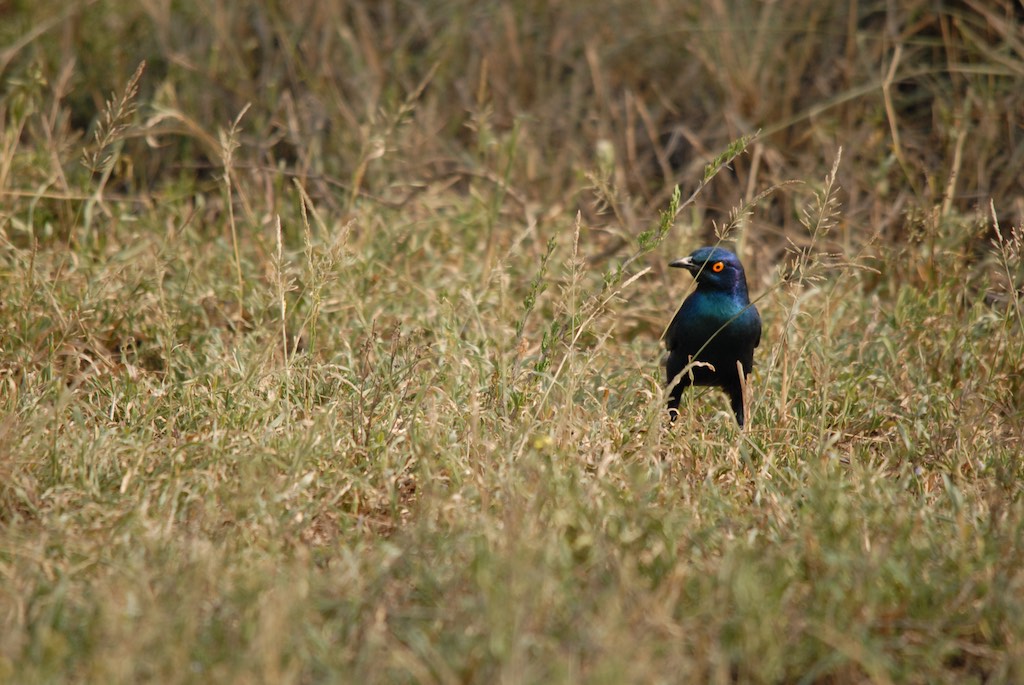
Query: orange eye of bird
x,y
717,266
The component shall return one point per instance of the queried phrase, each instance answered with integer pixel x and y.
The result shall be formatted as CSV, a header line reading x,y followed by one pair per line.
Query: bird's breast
x,y
705,316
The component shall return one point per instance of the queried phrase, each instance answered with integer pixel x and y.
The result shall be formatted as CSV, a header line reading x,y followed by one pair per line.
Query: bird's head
x,y
715,268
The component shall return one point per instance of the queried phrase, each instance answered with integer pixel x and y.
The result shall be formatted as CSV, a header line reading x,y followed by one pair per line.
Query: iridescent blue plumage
x,y
715,327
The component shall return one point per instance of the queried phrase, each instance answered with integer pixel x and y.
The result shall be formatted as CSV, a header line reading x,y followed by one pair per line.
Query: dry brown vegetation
x,y
329,337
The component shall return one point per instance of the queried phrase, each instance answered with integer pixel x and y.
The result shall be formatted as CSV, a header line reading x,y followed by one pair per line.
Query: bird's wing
x,y
670,335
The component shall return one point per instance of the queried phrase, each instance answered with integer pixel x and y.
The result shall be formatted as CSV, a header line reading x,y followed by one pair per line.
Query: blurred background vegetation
x,y
384,100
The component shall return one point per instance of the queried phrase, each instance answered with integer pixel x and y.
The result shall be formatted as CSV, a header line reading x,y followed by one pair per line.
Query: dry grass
x,y
337,359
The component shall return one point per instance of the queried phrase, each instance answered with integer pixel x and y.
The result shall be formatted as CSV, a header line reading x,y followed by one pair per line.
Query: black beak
x,y
685,263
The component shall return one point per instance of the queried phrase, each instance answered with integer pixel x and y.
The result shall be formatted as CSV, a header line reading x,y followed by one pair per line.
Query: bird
x,y
716,328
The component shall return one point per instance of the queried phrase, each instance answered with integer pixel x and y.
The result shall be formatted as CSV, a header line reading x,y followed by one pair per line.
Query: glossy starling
x,y
715,327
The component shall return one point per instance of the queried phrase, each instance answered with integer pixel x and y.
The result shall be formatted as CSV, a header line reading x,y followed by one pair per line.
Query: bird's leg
x,y
736,402
675,395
